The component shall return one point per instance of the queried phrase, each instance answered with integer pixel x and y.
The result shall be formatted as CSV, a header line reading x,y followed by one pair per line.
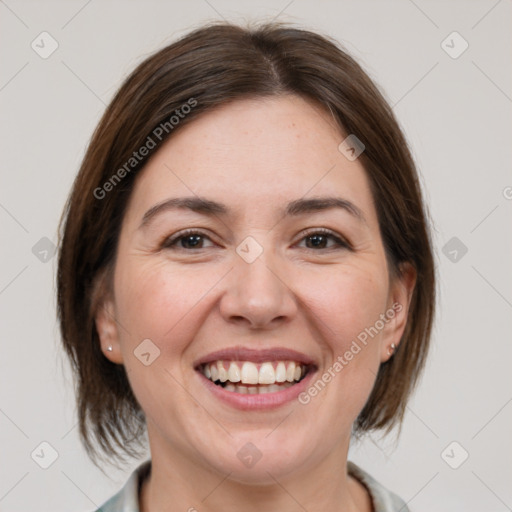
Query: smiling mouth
x,y
246,377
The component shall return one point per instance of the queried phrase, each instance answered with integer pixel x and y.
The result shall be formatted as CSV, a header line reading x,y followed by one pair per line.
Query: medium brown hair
x,y
209,67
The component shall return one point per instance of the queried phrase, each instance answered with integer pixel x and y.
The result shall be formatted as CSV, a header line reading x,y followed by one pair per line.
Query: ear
x,y
105,320
400,294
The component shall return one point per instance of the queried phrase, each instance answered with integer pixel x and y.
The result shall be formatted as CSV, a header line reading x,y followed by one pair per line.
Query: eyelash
x,y
340,243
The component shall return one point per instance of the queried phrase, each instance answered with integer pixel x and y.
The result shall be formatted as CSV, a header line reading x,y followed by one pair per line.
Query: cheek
x,y
346,301
165,305
156,301
345,306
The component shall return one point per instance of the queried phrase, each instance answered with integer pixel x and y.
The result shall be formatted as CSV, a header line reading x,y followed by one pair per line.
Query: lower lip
x,y
248,402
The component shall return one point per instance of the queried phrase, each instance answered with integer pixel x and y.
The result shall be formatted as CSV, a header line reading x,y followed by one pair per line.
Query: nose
x,y
257,295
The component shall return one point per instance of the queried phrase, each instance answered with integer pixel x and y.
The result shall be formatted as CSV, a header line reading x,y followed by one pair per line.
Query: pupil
x,y
192,240
317,240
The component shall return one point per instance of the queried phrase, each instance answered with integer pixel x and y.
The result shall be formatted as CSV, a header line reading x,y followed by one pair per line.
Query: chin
x,y
259,460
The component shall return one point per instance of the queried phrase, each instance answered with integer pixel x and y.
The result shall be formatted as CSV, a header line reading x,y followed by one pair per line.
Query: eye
x,y
189,239
316,239
322,238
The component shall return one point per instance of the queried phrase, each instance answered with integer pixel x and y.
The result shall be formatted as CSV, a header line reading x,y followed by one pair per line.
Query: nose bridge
x,y
257,293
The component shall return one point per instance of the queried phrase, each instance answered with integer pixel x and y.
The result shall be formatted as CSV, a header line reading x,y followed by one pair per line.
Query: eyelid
x,y
341,241
169,241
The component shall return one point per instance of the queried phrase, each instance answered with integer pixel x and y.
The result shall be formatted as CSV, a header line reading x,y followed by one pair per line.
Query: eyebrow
x,y
213,208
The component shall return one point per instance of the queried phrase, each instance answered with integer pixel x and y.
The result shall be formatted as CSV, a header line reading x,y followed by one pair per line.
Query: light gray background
x,y
456,113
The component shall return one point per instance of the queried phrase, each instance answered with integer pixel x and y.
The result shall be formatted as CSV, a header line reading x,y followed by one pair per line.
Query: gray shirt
x,y
127,499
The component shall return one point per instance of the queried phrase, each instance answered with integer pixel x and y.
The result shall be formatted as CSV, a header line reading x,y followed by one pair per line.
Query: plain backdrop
x,y
454,104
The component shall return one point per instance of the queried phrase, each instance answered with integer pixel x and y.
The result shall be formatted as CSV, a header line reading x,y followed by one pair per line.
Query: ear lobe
x,y
104,319
401,291
108,333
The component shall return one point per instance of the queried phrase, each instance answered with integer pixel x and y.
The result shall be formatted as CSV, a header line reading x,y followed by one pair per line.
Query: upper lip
x,y
255,355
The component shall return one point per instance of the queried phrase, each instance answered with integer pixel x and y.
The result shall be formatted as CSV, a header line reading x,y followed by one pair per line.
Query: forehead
x,y
250,151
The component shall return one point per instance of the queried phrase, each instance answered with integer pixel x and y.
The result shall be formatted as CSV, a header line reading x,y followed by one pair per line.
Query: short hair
x,y
211,66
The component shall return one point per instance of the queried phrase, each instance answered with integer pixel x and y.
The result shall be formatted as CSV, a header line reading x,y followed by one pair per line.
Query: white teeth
x,y
230,387
233,372
242,389
290,372
280,372
214,372
223,374
267,374
249,374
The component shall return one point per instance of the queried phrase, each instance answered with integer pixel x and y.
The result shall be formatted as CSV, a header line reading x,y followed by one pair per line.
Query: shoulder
x,y
383,499
127,499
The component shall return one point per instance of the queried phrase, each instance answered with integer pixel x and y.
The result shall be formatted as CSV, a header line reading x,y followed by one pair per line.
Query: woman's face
x,y
251,243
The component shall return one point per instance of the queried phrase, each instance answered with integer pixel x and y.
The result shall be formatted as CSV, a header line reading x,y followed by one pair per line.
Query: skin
x,y
254,156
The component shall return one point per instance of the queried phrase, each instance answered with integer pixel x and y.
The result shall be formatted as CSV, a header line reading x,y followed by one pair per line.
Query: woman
x,y
246,271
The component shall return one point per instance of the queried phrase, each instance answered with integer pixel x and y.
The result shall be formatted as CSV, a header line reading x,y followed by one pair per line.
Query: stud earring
x,y
391,349
109,348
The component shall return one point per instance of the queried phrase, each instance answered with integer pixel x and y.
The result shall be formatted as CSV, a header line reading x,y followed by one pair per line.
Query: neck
x,y
178,483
